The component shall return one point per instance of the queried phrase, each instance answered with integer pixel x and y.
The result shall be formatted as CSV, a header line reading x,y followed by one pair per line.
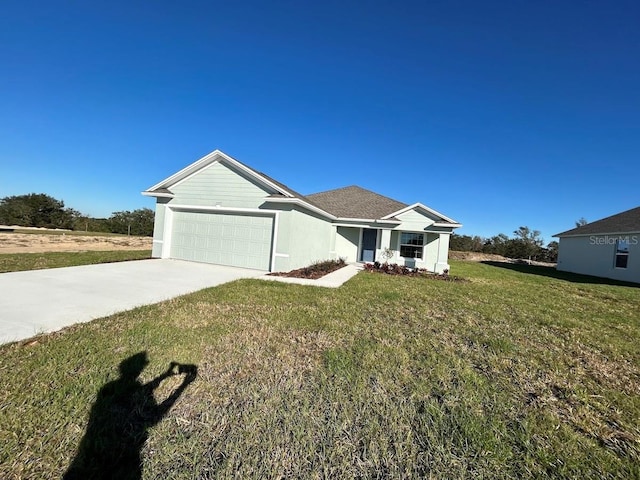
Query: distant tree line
x,y
41,210
525,243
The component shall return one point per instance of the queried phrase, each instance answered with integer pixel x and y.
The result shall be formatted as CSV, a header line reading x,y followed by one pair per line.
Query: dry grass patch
x,y
18,262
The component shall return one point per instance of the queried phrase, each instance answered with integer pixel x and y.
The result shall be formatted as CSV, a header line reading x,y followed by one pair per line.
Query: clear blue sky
x,y
498,114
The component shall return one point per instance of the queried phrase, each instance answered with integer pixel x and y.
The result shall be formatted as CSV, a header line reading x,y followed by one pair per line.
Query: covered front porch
x,y
426,248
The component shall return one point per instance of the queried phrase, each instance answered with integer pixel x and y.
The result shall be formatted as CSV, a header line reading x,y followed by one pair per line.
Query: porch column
x,y
385,241
443,253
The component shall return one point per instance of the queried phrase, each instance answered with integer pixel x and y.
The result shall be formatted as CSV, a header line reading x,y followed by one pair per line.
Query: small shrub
x,y
387,254
395,269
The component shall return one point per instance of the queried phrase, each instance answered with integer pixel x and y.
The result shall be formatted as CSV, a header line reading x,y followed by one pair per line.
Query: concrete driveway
x,y
42,301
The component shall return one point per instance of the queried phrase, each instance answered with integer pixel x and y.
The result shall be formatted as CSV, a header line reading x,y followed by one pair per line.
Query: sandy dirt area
x,y
38,243
488,257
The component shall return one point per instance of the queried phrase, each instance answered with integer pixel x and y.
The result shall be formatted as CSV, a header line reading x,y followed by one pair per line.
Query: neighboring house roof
x,y
625,222
356,202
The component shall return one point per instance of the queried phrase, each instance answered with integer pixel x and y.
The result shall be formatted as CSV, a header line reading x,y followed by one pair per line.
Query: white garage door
x,y
225,239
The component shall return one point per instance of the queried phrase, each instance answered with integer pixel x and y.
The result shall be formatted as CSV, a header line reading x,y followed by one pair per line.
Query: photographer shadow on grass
x,y
120,418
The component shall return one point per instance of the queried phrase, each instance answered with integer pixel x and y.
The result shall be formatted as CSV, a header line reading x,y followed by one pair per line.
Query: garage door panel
x,y
226,239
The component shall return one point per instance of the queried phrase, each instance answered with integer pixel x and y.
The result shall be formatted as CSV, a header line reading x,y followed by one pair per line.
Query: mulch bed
x,y
313,272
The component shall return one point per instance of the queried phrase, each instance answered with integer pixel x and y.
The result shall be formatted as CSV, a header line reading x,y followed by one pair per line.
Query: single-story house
x,y
218,210
608,248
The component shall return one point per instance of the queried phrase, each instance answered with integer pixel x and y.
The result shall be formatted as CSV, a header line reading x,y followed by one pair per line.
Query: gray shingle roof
x,y
271,179
355,202
628,221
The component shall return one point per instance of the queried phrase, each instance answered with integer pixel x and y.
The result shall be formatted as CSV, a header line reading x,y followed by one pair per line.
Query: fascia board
x,y
447,225
353,225
147,193
368,220
215,208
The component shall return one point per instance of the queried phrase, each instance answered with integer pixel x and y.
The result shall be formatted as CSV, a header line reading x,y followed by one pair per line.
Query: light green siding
x,y
225,239
218,184
414,221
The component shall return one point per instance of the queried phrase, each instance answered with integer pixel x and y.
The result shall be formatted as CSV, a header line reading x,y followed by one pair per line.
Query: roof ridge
x,y
354,201
360,188
331,190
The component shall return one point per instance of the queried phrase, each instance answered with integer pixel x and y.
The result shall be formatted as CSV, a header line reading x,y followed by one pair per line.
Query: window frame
x,y
621,252
418,247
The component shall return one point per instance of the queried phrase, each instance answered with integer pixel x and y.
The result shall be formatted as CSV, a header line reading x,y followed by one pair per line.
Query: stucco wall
x,y
158,228
595,255
305,237
443,252
430,256
347,240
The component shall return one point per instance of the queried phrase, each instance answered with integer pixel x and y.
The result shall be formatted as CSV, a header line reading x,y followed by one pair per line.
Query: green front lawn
x,y
509,375
18,262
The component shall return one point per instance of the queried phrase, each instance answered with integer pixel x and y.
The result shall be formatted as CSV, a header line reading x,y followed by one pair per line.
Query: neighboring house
x,y
218,210
607,248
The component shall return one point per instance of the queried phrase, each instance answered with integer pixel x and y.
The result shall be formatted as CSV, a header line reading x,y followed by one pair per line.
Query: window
x,y
622,253
411,245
